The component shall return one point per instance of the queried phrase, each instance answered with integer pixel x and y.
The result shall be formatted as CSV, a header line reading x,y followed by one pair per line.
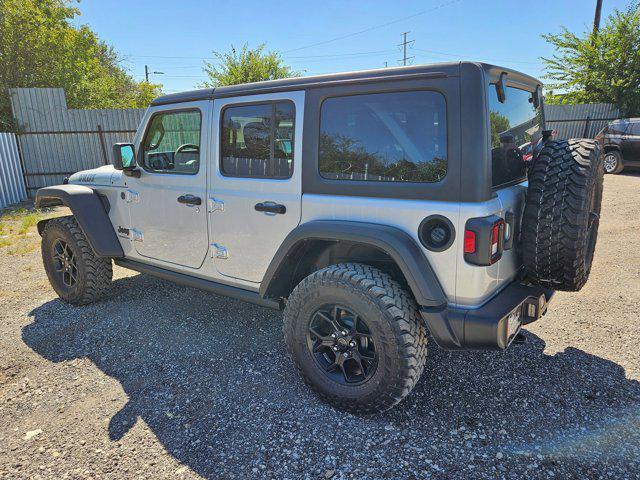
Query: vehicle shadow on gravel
x,y
210,376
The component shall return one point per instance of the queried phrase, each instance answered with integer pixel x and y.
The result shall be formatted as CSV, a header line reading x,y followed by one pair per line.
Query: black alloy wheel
x,y
342,345
64,263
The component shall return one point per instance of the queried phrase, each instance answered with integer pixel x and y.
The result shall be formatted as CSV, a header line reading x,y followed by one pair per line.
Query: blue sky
x,y
174,37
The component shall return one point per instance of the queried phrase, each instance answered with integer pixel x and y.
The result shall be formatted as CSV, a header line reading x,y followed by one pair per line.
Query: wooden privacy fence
x,y
12,189
56,141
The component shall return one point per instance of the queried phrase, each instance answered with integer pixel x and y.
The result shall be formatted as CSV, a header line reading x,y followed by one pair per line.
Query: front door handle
x,y
189,200
270,207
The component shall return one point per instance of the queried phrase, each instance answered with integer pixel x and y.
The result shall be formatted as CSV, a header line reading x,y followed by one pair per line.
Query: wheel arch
x,y
320,243
90,210
612,148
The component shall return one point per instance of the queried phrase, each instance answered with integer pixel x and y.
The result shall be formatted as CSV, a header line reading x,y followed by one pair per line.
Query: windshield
x,y
516,127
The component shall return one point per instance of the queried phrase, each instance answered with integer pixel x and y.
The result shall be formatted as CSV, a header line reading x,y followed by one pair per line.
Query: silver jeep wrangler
x,y
373,207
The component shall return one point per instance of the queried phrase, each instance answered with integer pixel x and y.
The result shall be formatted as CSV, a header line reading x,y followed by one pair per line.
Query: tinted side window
x,y
172,143
257,140
620,127
389,137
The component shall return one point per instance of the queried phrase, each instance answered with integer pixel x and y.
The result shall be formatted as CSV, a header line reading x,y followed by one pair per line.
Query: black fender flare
x,y
396,243
612,147
90,213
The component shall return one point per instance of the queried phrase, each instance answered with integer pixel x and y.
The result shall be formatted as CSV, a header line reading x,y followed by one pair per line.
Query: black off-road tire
x,y
613,162
562,213
390,312
92,273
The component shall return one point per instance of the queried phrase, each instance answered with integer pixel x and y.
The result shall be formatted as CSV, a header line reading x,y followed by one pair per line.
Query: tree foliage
x,y
345,157
245,66
499,123
40,47
602,67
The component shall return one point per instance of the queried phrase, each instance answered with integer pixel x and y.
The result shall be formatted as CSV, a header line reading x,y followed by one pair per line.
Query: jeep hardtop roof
x,y
450,69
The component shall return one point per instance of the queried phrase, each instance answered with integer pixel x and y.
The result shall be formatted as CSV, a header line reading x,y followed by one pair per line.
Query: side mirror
x,y
124,157
501,87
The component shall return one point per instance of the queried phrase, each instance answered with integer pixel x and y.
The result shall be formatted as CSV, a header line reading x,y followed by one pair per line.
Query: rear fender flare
x,y
90,213
396,243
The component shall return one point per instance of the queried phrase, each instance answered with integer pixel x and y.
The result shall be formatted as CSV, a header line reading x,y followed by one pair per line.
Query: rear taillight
x,y
484,240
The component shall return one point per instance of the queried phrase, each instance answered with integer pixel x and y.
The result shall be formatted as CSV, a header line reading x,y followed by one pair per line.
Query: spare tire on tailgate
x,y
562,212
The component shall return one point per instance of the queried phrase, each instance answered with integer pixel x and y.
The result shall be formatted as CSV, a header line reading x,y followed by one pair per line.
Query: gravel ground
x,y
163,381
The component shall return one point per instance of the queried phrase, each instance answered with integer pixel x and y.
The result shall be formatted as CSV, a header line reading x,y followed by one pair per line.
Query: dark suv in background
x,y
621,144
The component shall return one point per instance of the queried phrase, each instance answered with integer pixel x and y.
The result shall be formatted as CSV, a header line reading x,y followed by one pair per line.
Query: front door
x,y
255,194
168,201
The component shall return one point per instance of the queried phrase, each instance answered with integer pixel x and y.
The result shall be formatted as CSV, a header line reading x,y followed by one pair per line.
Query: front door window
x,y
172,143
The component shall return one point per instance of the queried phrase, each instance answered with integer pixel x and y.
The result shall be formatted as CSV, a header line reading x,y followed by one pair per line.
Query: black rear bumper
x,y
492,326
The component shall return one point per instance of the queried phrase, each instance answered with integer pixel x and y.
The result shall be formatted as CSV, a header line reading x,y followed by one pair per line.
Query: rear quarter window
x,y
384,137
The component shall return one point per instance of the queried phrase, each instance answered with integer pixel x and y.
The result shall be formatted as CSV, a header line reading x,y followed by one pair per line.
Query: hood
x,y
105,175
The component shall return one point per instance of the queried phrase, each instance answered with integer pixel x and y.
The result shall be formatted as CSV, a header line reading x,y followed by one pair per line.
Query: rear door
x,y
633,142
255,182
167,202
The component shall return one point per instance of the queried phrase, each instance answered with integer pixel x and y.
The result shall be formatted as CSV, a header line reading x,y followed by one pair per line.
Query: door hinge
x,y
218,251
131,196
136,235
215,204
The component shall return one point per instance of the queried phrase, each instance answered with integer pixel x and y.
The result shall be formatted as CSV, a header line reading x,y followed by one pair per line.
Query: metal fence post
x,y
103,146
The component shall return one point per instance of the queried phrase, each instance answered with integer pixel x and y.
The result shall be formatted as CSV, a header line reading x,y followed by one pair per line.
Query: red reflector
x,y
496,240
469,241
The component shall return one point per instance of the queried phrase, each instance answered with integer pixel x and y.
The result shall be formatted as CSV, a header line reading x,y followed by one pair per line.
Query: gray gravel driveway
x,y
163,381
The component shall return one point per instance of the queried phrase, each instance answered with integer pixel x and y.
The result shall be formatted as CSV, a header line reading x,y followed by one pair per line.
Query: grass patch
x,y
28,221
17,229
24,245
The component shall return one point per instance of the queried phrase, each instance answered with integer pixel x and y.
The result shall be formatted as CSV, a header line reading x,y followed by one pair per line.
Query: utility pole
x,y
147,72
404,48
596,18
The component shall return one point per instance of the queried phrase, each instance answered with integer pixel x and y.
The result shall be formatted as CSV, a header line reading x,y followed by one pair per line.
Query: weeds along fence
x,y
12,188
55,141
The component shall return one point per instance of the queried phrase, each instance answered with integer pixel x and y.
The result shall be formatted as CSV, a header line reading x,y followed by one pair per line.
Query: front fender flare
x,y
396,243
90,213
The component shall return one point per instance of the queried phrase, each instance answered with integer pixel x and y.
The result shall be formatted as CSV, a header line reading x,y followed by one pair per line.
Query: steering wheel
x,y
186,146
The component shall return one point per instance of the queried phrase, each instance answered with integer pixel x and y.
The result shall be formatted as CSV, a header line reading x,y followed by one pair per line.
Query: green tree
x,y
602,67
499,123
245,66
39,47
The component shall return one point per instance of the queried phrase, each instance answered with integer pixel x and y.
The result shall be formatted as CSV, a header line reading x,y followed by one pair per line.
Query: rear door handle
x,y
270,207
189,200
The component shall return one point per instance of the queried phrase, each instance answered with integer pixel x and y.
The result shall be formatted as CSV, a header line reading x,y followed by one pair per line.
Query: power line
x,y
382,25
300,57
332,55
179,76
